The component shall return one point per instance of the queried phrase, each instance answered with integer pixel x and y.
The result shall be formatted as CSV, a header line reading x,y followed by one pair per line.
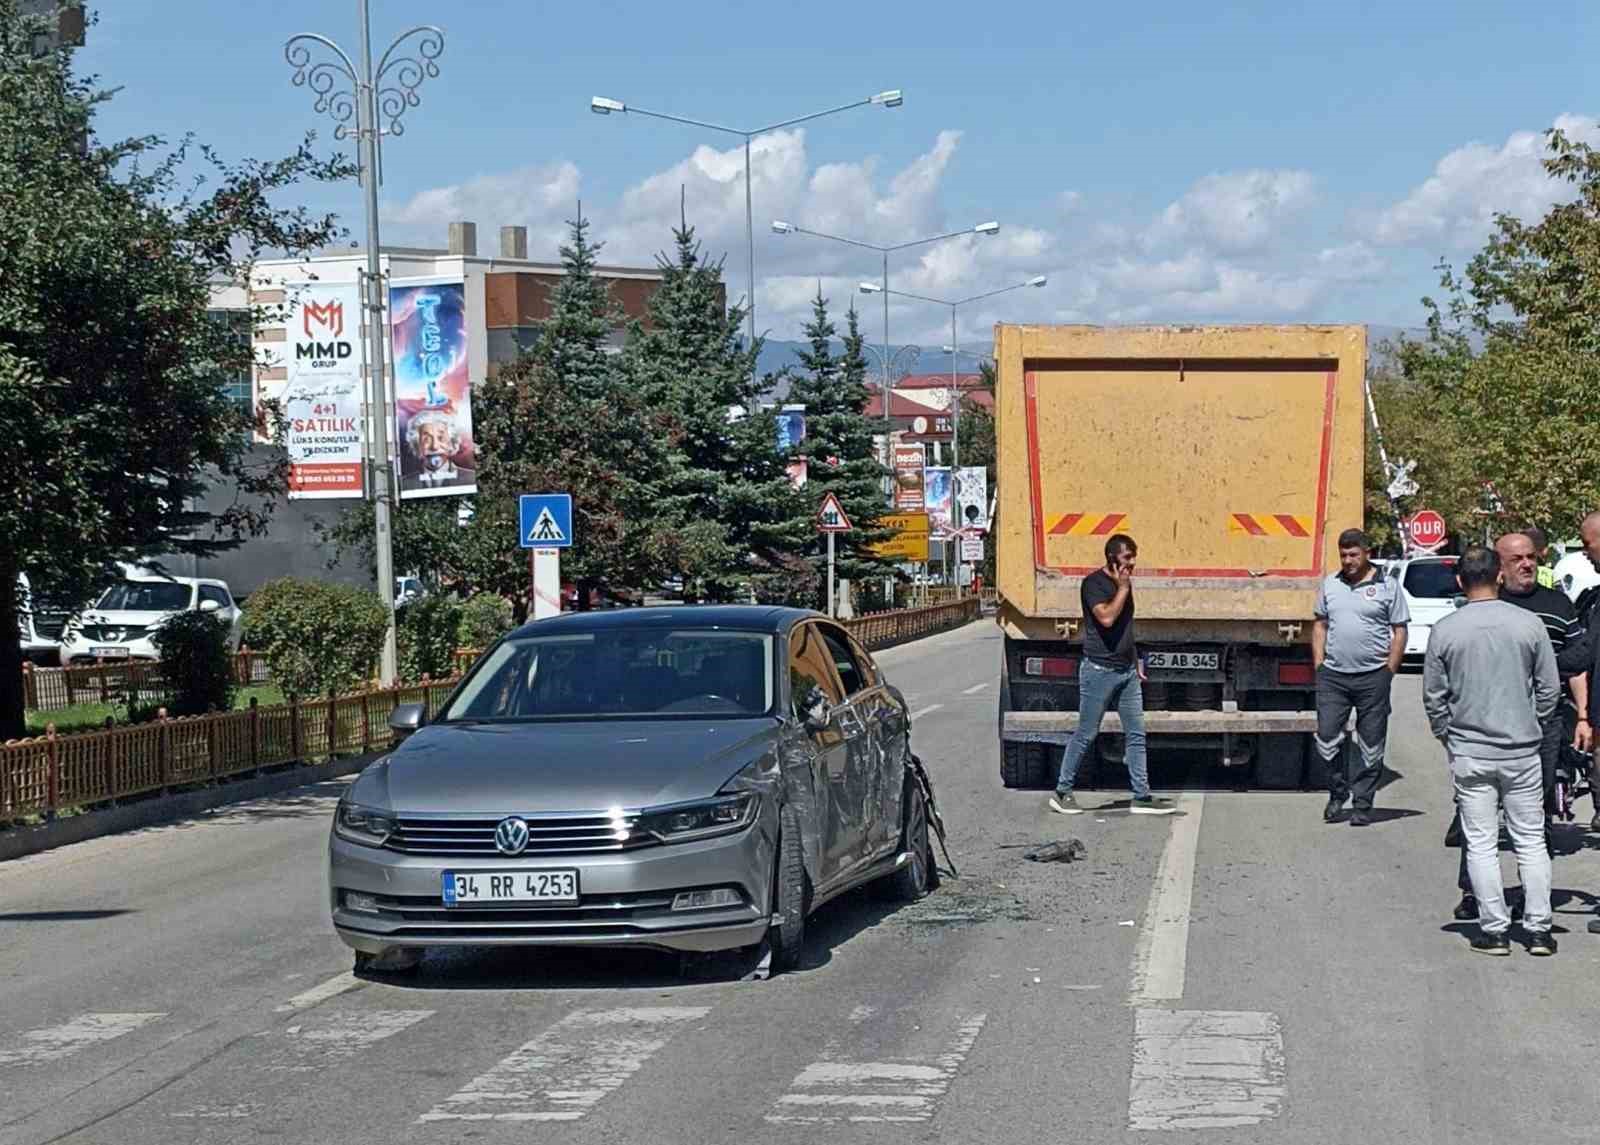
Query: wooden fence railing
x,y
43,775
883,629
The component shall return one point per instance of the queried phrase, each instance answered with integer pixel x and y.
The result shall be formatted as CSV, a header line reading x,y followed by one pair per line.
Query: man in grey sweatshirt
x,y
1488,683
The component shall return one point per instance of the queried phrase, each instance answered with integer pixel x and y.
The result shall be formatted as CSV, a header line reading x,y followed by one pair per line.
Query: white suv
x,y
1431,594
118,626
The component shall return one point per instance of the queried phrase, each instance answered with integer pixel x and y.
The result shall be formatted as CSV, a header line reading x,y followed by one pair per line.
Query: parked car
x,y
39,626
684,778
118,626
407,589
1431,594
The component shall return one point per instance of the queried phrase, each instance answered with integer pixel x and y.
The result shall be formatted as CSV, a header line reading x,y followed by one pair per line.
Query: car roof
x,y
753,617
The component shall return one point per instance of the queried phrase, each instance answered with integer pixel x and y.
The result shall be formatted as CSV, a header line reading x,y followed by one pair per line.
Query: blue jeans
x,y
1099,689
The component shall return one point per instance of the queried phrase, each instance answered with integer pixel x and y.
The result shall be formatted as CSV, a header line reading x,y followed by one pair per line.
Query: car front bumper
x,y
625,898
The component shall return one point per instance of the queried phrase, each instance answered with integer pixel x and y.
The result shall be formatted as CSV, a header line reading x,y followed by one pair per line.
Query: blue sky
x,y
1160,162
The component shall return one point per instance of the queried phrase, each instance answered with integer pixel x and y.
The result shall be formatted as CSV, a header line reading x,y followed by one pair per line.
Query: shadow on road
x,y
60,915
557,968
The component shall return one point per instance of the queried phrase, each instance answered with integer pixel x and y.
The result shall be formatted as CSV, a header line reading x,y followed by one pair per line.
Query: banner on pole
x,y
908,469
972,497
322,392
937,492
432,392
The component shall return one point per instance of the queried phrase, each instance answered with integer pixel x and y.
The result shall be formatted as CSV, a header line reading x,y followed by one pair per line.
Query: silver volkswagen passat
x,y
688,778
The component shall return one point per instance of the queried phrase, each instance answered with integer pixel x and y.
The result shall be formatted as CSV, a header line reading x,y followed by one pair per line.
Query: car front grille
x,y
113,633
49,625
590,834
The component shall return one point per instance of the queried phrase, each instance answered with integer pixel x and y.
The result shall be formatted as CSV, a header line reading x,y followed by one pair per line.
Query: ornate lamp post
x,y
377,100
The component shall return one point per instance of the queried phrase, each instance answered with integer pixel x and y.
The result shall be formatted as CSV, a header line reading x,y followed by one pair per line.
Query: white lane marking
x,y
1163,949
828,1092
223,1112
975,689
920,712
333,987
565,1071
1205,1069
342,1034
57,1042
862,1013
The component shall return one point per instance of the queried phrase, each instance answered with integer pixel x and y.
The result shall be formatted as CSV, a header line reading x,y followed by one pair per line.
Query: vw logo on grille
x,y
511,836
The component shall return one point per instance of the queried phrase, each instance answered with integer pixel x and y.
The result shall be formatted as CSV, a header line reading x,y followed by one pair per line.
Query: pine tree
x,y
562,418
727,490
838,447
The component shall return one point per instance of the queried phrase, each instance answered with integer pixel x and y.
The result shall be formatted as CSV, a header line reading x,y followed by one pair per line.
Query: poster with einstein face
x,y
432,392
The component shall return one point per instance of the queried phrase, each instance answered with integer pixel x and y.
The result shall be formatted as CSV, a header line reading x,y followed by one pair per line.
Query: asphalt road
x,y
1238,973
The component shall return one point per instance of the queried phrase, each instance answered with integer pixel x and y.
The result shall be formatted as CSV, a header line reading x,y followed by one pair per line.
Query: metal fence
x,y
43,775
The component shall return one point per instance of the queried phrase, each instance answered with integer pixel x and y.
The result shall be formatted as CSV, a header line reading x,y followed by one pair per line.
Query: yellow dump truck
x,y
1233,456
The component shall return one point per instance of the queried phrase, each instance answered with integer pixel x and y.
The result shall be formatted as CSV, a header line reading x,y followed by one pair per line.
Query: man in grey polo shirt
x,y
1357,642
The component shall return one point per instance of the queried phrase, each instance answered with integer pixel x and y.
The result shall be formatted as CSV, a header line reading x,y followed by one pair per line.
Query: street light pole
x,y
783,228
600,105
954,348
372,96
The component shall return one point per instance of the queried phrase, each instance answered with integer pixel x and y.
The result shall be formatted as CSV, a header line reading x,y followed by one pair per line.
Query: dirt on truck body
x,y
1233,455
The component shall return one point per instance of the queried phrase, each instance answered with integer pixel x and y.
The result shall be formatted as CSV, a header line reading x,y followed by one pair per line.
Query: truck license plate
x,y
464,889
1182,661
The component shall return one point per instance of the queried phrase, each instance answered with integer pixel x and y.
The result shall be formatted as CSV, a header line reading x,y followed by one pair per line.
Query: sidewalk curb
x,y
166,809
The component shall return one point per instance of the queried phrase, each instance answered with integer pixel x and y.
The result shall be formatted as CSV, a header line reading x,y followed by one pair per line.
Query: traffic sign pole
x,y
832,611
546,583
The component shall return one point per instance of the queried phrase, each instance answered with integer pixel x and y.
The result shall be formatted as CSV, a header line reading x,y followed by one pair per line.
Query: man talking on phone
x,y
1111,677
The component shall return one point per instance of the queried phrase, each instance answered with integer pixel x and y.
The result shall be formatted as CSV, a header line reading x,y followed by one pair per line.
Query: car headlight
x,y
720,816
363,825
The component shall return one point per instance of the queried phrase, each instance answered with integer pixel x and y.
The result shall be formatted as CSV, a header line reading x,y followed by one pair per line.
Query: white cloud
x,y
1236,210
1471,184
539,197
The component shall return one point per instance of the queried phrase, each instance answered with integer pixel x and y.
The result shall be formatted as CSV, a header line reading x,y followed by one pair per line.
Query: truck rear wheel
x,y
1280,760
1027,765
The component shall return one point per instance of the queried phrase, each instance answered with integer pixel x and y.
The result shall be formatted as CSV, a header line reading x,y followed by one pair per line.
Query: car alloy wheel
x,y
788,932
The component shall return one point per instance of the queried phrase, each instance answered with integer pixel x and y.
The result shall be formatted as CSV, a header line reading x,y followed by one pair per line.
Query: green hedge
x,y
319,639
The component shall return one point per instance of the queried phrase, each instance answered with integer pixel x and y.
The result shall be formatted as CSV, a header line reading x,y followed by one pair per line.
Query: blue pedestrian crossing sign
x,y
545,520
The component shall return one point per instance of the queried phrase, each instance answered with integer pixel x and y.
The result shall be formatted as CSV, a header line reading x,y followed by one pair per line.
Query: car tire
x,y
394,961
914,880
1024,765
787,935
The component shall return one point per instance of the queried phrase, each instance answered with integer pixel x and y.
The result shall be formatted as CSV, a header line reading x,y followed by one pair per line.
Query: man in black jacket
x,y
1519,585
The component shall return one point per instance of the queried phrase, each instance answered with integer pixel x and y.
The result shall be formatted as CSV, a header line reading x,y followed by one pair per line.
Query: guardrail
x,y
884,629
119,681
43,775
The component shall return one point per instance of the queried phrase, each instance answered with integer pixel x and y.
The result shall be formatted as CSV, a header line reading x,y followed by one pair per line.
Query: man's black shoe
x,y
1361,817
1334,811
1495,944
1467,909
1541,943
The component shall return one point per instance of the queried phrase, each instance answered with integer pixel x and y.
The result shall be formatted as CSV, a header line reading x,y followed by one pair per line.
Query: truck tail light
x,y
1057,666
1296,672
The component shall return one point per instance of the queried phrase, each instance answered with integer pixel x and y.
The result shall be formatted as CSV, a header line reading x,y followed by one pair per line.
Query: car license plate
x,y
1182,661
101,653
466,888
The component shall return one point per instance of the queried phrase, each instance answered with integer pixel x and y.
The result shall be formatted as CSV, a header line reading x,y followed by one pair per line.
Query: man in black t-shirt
x,y
1110,677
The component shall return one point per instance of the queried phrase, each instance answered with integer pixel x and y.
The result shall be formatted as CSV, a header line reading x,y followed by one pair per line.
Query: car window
x,y
810,666
212,592
146,596
869,670
844,660
621,674
1432,580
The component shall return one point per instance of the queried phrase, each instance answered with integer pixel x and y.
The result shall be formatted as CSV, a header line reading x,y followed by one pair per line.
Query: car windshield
x,y
621,674
145,596
1432,580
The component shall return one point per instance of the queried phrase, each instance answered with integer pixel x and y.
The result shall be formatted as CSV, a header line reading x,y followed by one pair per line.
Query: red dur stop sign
x,y
1427,529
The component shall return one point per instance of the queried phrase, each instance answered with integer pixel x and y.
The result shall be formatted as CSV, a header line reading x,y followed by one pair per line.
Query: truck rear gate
x,y
1233,455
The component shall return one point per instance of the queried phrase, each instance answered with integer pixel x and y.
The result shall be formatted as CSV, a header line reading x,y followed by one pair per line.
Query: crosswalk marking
x,y
333,987
57,1042
1205,1069
830,1091
567,1070
341,1034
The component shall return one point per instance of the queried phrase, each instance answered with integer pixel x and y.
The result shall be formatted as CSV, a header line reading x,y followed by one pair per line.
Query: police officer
x,y
1357,643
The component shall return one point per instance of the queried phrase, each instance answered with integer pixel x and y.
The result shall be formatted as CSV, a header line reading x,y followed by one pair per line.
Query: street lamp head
x,y
989,228
1038,280
600,105
779,227
870,288
889,98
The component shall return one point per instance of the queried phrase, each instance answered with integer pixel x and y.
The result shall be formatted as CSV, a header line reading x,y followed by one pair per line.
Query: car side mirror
x,y
814,706
407,719
209,606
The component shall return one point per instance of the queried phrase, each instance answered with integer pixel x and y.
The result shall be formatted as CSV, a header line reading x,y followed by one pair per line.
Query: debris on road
x,y
1060,851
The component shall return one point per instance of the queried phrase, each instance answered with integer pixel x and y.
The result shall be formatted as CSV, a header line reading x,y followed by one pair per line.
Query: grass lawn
x,y
81,717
